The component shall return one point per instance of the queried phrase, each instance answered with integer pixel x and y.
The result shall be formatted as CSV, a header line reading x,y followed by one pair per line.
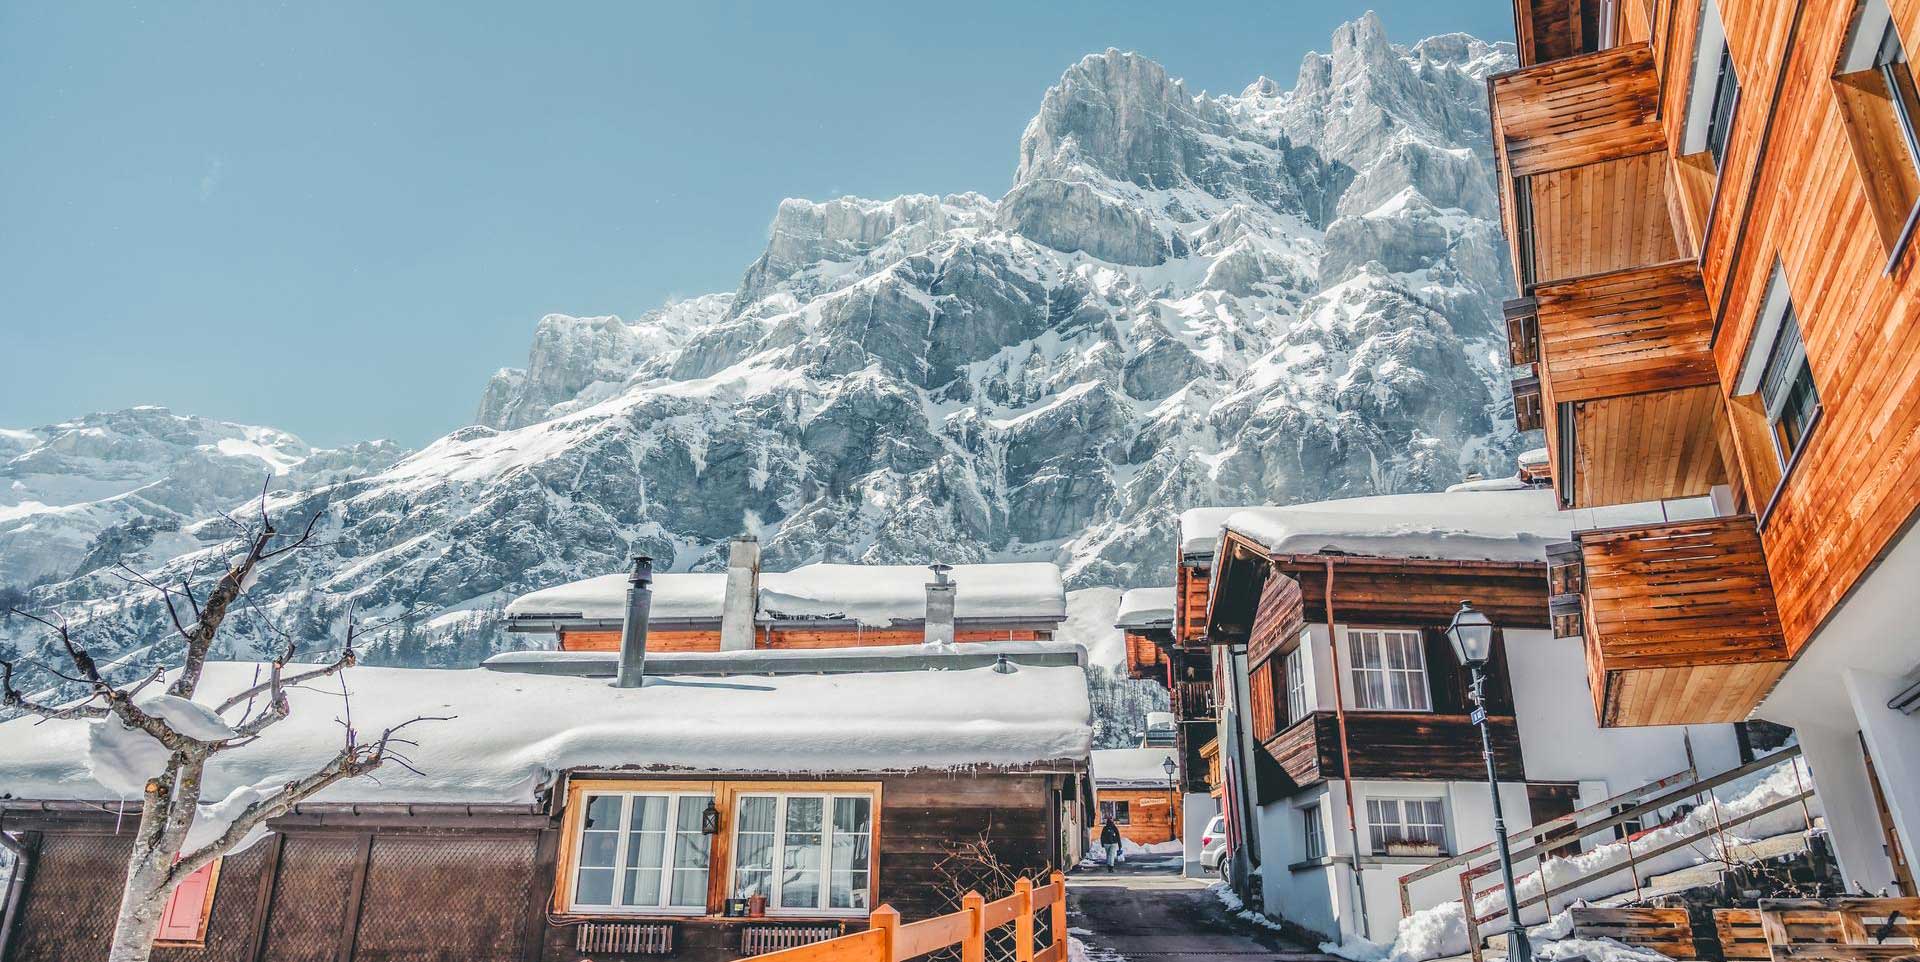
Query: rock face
x,y
1275,295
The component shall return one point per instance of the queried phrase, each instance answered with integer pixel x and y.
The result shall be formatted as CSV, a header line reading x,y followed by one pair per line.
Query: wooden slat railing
x,y
889,940
1842,930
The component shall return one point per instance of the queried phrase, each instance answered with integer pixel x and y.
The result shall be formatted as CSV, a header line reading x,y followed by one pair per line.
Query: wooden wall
x,y
1395,745
1805,204
365,889
706,640
1153,815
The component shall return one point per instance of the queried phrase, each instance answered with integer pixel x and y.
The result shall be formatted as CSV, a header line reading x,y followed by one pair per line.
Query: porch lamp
x,y
1472,635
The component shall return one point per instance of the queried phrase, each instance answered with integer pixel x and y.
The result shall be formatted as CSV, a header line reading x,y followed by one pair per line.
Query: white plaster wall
x,y
1309,898
1196,810
1561,741
1835,695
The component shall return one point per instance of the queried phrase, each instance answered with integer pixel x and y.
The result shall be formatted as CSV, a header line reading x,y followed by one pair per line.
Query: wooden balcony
x,y
1679,620
1628,393
1582,159
1399,745
1210,755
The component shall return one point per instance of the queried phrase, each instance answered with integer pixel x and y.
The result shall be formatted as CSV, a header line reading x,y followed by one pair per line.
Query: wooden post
x,y
1023,922
1472,915
1057,919
974,947
885,920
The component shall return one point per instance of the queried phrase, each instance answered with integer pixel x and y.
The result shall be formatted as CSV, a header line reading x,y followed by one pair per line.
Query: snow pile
x,y
1475,525
1143,607
1131,767
1441,930
1231,899
510,732
122,758
874,595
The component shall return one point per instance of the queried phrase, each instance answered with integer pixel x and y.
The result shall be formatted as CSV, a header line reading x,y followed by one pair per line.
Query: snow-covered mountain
x,y
1184,299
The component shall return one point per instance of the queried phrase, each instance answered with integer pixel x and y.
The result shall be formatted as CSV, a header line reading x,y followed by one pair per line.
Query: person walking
x,y
1110,840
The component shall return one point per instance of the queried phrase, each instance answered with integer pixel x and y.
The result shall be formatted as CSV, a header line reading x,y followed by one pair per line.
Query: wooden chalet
x,y
1711,206
1349,719
1132,787
813,606
722,805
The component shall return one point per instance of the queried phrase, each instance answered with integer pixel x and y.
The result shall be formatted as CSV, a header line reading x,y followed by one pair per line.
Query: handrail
x,y
890,941
1530,833
1574,833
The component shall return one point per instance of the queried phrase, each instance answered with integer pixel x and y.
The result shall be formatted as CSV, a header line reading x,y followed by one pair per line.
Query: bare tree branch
x,y
344,661
12,697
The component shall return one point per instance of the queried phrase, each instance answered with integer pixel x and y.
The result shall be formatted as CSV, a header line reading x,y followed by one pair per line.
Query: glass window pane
x,y
753,847
597,849
852,814
643,887
1398,696
803,815
647,813
690,853
594,887
689,888
1417,688
603,813
800,860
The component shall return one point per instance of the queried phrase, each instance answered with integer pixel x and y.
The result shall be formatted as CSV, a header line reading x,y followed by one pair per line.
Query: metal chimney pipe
x,y
940,593
633,631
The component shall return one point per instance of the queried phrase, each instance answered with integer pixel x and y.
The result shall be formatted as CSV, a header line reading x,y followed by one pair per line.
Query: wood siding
x,y
1419,746
1152,815
789,638
1190,592
1680,622
1578,111
361,889
1607,216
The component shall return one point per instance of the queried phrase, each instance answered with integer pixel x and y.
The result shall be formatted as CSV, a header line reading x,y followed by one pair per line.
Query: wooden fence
x,y
890,940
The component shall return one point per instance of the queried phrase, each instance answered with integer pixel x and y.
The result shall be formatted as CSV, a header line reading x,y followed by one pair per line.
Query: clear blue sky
x,y
339,218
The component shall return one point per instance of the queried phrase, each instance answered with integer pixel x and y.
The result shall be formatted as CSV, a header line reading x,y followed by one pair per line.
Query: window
x,y
1312,842
1630,827
642,851
1776,369
1389,670
1117,811
1297,682
1395,822
806,853
1714,91
1874,88
184,919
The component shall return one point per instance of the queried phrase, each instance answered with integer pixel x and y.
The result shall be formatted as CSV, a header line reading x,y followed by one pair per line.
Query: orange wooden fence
x,y
891,941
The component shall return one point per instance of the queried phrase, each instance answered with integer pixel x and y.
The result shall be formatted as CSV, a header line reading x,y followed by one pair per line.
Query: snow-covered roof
x,y
1123,767
875,595
1200,527
1145,607
1468,525
510,732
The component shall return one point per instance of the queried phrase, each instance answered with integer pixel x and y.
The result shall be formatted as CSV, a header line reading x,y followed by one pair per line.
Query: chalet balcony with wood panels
x,y
1623,383
1582,160
1678,619
1394,745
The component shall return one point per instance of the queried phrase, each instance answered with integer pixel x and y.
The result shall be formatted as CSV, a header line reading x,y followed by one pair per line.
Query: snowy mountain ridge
x,y
1270,296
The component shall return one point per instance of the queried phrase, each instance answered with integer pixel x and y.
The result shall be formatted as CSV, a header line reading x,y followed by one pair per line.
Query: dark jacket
x,y
1109,833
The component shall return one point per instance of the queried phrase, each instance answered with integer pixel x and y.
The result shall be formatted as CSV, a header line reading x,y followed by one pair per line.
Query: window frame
x,y
1313,833
1770,337
776,872
1378,635
1874,45
720,852
1399,803
1712,66
1295,666
1121,811
578,840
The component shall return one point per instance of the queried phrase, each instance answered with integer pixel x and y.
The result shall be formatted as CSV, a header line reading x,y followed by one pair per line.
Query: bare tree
x,y
172,797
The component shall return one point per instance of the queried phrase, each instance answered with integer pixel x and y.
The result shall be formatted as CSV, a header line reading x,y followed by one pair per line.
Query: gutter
x,y
781,662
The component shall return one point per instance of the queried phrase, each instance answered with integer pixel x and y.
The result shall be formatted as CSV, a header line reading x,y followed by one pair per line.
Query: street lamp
x,y
1173,827
1472,635
1169,767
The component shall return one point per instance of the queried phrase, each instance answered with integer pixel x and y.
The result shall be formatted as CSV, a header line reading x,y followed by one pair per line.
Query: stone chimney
x,y
940,593
742,601
633,631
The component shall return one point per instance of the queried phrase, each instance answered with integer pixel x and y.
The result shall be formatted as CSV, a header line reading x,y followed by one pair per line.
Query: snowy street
x,y
1148,916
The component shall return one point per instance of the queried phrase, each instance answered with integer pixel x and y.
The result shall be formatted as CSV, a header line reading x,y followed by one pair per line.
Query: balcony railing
x,y
1678,619
1395,745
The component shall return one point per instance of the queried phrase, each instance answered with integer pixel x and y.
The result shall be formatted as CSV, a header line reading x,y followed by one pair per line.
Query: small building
x,y
1149,621
1134,788
1346,728
729,803
813,606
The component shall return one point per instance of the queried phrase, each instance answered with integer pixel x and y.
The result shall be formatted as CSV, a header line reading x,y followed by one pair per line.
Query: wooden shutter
x,y
1261,687
185,917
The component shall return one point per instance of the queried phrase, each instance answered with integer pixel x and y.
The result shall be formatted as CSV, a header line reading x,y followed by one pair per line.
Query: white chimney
x,y
940,593
742,601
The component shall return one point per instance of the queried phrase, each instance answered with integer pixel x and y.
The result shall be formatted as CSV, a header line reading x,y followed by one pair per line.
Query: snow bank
x,y
1442,930
874,595
1145,606
121,758
1200,527
1130,767
1469,525
510,732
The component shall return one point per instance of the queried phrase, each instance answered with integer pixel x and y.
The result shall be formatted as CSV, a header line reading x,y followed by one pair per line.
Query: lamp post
x,y
1472,635
1173,799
